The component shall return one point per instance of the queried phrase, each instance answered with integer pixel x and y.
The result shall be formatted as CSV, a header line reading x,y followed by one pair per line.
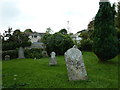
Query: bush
x,y
9,46
29,53
86,45
12,53
33,53
13,45
119,47
58,43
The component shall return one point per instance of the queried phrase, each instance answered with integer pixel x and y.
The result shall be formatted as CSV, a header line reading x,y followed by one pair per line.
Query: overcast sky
x,y
41,14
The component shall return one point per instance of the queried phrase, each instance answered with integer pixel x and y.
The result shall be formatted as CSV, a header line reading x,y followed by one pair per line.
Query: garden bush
x,y
58,43
12,53
33,53
29,53
86,45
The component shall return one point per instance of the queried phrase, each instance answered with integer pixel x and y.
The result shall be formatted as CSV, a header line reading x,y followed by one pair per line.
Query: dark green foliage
x,y
86,45
58,43
15,41
45,38
118,24
105,40
12,53
33,53
63,31
28,31
29,53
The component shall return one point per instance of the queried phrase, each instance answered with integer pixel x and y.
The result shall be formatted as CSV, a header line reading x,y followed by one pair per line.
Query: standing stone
x,y
75,65
7,57
44,54
21,53
53,60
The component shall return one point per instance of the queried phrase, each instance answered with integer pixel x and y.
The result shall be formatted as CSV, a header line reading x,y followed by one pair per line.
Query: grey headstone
x,y
21,53
7,57
75,65
53,60
44,54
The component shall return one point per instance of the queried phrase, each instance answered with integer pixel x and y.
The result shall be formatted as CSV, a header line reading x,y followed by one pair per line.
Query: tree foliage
x,y
63,31
105,41
118,24
57,42
16,40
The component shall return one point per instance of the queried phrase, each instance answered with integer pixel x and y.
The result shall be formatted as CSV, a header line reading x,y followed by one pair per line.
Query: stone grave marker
x,y
75,65
53,60
7,57
21,53
44,54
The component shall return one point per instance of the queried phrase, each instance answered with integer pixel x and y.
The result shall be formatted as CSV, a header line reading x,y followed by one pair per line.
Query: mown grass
x,y
38,74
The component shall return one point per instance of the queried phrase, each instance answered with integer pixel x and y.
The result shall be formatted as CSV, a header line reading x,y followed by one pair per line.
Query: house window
x,y
35,36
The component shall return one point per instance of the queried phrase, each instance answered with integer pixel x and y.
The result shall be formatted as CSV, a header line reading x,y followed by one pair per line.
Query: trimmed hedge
x,y
29,53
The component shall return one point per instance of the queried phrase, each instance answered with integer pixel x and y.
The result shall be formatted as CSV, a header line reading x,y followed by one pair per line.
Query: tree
x,y
58,43
91,25
118,24
86,42
105,40
16,40
49,30
28,30
63,31
8,33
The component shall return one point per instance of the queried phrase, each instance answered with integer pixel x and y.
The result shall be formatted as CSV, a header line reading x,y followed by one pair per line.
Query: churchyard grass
x,y
30,73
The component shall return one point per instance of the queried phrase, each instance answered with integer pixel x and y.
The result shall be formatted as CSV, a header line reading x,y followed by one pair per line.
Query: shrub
x,y
33,53
12,53
29,53
86,45
58,43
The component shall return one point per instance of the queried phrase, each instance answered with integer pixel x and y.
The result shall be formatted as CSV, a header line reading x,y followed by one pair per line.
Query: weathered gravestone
x,y
44,54
21,53
53,60
7,57
75,65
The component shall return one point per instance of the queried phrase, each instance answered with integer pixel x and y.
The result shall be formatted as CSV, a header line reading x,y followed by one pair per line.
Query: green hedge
x,y
12,53
33,53
29,53
86,45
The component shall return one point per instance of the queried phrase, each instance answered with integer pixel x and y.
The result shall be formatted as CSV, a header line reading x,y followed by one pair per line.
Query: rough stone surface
x,y
75,65
53,60
7,57
44,54
21,53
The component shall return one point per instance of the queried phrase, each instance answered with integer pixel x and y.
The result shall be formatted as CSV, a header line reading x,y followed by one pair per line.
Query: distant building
x,y
35,39
75,37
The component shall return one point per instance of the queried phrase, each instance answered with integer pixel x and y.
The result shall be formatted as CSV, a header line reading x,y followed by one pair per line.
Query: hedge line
x,y
29,53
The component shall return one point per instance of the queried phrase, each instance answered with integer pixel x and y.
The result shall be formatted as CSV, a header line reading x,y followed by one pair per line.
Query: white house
x,y
75,37
35,39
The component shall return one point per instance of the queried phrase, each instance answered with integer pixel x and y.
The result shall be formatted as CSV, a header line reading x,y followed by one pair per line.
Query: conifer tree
x,y
105,40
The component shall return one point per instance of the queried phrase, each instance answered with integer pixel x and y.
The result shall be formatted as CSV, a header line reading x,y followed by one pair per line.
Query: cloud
x,y
41,14
9,12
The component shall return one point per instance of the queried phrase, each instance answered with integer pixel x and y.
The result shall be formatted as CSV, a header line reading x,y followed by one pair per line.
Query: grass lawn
x,y
38,74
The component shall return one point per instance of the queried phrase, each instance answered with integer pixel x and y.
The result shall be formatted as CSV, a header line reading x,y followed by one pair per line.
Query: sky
x,y
41,14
